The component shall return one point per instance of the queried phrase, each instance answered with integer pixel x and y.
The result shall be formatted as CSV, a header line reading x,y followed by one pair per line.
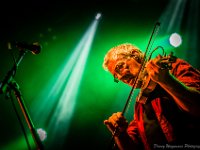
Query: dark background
x,y
57,26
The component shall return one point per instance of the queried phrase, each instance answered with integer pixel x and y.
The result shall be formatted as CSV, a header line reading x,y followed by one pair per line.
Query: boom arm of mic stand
x,y
9,76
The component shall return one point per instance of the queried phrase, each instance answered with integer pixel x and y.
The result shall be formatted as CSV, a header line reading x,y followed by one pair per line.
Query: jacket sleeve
x,y
187,74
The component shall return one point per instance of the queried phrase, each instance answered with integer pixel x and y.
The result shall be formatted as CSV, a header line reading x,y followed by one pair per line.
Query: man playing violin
x,y
170,117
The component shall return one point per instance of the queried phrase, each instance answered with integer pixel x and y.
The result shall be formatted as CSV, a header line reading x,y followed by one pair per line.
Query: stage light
x,y
42,134
60,97
98,16
175,40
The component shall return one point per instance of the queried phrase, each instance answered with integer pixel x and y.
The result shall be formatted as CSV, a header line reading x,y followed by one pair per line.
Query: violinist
x,y
170,114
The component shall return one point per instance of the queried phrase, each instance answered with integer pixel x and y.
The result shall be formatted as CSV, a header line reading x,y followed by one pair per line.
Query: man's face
x,y
126,69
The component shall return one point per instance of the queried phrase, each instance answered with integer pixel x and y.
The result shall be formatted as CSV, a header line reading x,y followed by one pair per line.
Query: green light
x,y
60,96
19,144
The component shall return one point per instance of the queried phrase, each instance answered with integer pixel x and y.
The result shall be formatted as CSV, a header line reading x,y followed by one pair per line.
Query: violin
x,y
148,85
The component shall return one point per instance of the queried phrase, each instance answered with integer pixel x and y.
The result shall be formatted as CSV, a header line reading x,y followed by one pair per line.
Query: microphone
x,y
35,47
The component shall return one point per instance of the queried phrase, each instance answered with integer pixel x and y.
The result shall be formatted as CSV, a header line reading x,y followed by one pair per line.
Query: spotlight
x,y
98,16
175,40
42,134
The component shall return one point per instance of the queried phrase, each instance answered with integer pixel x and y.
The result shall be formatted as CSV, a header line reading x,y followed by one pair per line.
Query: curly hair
x,y
119,52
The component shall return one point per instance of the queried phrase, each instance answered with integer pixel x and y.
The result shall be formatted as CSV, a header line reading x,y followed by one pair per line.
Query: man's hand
x,y
116,124
158,69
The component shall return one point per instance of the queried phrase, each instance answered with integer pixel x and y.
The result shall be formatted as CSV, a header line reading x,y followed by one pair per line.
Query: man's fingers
x,y
110,126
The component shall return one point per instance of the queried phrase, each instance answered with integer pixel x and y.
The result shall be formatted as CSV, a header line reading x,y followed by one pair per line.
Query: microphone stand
x,y
9,84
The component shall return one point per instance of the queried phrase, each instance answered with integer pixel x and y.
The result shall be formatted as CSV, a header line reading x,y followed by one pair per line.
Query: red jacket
x,y
160,123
